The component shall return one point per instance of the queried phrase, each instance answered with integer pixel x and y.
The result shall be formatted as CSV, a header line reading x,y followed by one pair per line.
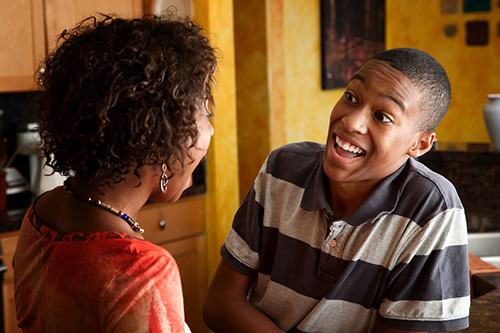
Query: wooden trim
x,y
38,32
16,84
478,266
137,8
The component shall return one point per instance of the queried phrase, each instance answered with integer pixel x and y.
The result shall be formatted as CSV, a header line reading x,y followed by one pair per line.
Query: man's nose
x,y
356,120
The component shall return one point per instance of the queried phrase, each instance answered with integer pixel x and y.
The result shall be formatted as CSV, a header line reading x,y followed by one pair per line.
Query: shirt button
x,y
333,243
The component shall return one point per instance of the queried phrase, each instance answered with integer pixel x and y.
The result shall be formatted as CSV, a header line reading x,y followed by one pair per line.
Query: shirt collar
x,y
382,201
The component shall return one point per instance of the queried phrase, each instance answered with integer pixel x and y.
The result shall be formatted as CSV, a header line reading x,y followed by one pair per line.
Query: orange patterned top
x,y
94,282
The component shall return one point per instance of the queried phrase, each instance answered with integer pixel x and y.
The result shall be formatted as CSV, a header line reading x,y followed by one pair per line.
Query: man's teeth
x,y
347,146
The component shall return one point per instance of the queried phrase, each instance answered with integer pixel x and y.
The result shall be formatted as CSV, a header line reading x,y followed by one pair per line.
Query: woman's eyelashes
x,y
206,107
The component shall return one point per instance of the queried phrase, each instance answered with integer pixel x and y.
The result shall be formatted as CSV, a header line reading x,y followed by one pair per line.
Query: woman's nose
x,y
356,121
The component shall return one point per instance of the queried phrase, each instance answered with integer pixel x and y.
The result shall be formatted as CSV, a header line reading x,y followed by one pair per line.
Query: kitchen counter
x,y
485,309
17,205
485,306
474,169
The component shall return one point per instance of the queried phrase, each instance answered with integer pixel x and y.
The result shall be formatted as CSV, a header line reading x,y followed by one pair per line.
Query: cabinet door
x,y
165,222
8,244
22,43
189,254
64,14
9,308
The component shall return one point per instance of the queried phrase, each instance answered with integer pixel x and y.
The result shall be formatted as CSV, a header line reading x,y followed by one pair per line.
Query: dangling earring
x,y
163,178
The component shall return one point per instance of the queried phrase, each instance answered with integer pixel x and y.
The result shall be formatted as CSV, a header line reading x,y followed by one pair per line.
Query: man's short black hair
x,y
429,77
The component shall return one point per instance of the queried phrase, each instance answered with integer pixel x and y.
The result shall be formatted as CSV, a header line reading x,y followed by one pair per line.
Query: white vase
x,y
491,114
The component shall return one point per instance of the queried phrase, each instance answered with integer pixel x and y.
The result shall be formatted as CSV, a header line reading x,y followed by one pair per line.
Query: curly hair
x,y
118,94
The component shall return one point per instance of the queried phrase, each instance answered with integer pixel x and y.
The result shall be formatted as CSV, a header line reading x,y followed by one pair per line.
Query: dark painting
x,y
477,32
471,6
351,32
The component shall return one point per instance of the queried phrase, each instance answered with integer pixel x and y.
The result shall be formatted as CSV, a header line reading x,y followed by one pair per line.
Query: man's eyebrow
x,y
358,77
361,78
397,101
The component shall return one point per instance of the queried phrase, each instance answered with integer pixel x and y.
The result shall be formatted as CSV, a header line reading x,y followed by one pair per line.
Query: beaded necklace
x,y
98,203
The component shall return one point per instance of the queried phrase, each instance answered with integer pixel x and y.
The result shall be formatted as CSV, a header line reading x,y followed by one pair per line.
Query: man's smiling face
x,y
373,127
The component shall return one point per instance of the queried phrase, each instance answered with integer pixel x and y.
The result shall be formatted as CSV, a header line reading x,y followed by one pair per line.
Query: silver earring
x,y
163,178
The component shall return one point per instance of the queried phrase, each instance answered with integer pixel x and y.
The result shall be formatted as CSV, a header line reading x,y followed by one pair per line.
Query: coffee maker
x,y
41,178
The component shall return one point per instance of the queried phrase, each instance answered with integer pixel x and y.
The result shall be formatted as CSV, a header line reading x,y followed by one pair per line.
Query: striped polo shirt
x,y
400,258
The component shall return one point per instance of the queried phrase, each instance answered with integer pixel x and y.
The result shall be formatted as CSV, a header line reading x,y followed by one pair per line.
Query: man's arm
x,y
226,306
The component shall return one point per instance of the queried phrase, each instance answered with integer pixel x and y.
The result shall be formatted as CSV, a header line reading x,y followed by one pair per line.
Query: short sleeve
x,y
242,245
151,300
428,289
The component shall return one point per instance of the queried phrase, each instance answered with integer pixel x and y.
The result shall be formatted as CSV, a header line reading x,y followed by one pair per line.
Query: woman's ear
x,y
423,144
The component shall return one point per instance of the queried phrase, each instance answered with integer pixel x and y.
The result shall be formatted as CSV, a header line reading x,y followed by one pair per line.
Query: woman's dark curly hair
x,y
118,94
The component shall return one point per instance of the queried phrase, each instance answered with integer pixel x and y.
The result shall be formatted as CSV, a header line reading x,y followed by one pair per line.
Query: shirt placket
x,y
330,261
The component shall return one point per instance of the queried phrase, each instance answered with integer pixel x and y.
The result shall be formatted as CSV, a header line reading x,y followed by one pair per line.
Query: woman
x,y
123,112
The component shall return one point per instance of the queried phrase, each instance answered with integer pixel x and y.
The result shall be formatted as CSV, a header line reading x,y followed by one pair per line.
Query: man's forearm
x,y
227,308
237,316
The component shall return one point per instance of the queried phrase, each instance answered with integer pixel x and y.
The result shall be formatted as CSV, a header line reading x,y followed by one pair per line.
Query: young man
x,y
354,235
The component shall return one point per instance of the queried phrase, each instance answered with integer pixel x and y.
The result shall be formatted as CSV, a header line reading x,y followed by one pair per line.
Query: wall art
x,y
351,32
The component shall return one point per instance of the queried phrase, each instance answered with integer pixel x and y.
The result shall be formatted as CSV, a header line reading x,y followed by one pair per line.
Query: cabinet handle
x,y
162,224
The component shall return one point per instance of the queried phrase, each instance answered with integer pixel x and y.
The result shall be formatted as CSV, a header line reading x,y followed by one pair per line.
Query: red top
x,y
94,282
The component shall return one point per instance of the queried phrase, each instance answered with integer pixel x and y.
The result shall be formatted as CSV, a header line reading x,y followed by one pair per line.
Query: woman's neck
x,y
65,212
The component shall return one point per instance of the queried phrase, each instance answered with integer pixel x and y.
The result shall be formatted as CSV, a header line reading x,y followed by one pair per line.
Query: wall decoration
x,y
498,28
471,6
477,32
449,6
351,32
450,30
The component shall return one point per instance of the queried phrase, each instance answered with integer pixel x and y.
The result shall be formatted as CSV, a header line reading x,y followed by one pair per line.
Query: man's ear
x,y
422,144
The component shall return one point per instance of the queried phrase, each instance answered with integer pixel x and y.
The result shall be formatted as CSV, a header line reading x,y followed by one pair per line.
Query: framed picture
x,y
351,32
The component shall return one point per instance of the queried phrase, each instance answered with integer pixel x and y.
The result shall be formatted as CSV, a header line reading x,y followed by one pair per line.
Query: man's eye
x,y
350,97
380,116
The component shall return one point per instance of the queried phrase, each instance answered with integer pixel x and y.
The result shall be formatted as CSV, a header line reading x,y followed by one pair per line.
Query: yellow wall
x,y
473,70
221,199
252,88
307,106
260,84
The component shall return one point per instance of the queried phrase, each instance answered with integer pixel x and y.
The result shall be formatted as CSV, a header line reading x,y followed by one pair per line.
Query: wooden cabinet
x,y
29,29
179,228
8,243
22,43
64,14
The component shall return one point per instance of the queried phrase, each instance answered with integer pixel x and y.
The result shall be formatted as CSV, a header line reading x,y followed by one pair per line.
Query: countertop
x,y
485,309
485,306
474,170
